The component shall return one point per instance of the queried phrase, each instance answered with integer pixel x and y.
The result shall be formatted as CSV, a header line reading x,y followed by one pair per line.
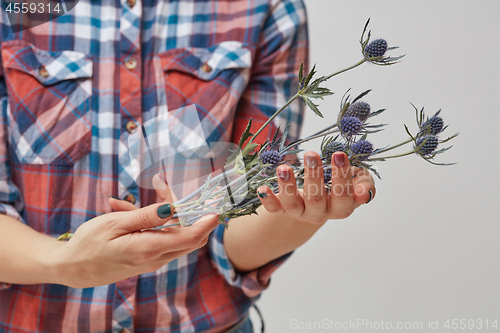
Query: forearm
x,y
26,254
253,241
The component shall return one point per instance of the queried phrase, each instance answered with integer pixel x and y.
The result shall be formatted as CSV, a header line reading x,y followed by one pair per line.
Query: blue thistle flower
x,y
360,110
327,174
272,157
429,146
350,126
331,148
377,48
363,148
433,126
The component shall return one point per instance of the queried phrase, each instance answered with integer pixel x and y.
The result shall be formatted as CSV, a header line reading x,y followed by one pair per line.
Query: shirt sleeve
x,y
283,47
11,203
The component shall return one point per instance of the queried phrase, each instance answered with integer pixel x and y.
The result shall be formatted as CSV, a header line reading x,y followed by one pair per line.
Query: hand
x,y
116,246
314,204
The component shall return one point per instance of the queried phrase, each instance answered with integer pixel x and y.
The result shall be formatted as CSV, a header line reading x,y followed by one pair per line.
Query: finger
x,y
289,196
342,188
364,186
121,205
314,185
160,184
364,192
178,239
269,200
143,218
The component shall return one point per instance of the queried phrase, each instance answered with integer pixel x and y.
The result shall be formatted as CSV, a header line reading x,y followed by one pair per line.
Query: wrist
x,y
50,262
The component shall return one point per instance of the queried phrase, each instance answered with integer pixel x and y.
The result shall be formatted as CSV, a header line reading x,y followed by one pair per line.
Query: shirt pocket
x,y
49,96
212,78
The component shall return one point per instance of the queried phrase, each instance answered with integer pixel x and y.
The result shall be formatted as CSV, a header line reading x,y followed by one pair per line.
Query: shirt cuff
x,y
10,211
253,282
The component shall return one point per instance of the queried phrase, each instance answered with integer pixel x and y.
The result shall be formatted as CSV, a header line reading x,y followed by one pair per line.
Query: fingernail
x,y
164,211
262,195
354,176
339,159
112,196
371,196
283,174
311,161
161,176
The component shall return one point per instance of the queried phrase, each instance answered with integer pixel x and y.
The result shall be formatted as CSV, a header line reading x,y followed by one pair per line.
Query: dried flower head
x,y
433,126
350,126
376,48
272,157
360,110
331,148
362,150
427,144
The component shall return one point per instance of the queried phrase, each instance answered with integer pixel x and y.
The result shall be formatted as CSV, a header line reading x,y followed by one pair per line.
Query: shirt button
x,y
130,126
131,63
206,68
130,198
131,3
43,72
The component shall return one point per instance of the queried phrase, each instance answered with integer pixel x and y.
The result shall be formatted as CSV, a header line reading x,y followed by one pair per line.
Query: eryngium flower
x,y
377,48
350,126
360,110
331,148
433,126
272,157
429,146
327,174
362,149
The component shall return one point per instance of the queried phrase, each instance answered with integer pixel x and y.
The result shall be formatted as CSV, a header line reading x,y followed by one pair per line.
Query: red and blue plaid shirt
x,y
71,91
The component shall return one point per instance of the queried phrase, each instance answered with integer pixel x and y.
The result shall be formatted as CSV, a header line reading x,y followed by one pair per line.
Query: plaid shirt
x,y
71,92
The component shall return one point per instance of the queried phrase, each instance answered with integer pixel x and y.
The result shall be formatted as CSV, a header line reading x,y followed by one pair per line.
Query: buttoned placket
x,y
131,119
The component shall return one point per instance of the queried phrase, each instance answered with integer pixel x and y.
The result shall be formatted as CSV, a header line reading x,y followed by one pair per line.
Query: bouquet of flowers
x,y
233,192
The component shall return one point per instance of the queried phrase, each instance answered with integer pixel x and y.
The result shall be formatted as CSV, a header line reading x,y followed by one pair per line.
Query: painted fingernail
x,y
311,161
339,159
160,174
283,174
116,198
164,211
262,195
354,176
371,196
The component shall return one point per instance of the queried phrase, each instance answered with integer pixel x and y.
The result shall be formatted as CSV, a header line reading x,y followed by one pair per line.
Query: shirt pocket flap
x,y
46,66
207,63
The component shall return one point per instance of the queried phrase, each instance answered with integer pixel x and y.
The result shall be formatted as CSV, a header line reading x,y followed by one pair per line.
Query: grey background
x,y
428,246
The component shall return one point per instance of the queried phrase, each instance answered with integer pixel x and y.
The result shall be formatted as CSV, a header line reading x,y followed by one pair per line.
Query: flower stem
x,y
395,146
344,70
393,156
273,116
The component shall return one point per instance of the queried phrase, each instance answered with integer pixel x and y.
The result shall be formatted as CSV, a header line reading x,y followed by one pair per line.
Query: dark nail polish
x,y
371,196
162,177
164,211
354,176
339,159
311,161
262,195
284,175
112,196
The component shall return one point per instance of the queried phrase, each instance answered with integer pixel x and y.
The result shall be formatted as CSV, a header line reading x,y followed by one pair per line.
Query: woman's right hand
x,y
116,246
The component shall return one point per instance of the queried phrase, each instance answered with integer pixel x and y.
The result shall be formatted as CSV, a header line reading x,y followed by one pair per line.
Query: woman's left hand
x,y
350,188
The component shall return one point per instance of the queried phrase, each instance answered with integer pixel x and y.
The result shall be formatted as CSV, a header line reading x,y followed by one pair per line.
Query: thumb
x,y
143,218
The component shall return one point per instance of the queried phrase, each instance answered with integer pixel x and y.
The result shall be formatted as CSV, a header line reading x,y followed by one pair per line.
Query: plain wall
x,y
428,246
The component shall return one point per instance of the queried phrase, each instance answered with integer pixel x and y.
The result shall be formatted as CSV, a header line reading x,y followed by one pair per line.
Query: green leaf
x,y
249,148
312,106
246,134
